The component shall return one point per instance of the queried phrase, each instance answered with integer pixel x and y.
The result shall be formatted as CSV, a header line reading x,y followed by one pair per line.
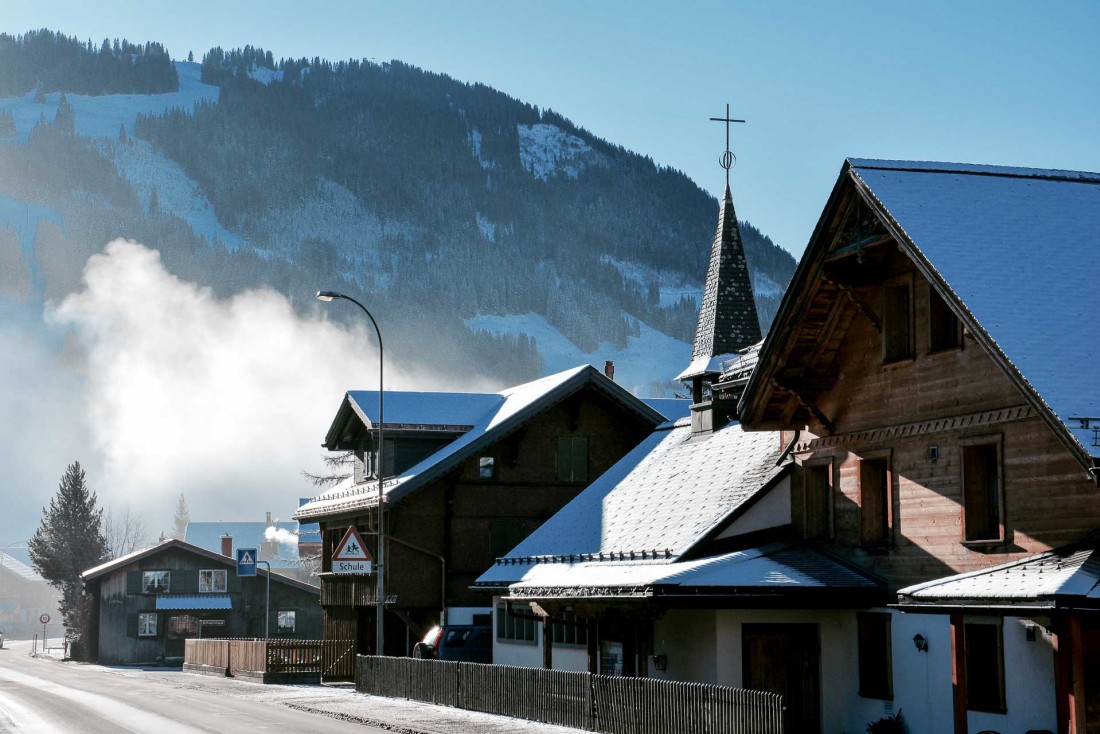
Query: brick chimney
x,y
609,369
227,545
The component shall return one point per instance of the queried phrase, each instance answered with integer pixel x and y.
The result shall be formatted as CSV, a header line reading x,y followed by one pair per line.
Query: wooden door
x,y
785,659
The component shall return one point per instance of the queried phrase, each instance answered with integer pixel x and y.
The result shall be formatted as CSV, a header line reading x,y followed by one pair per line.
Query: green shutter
x,y
580,458
564,459
133,582
132,624
184,582
232,581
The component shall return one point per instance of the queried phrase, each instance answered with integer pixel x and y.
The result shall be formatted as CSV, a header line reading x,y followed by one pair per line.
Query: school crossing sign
x,y
351,555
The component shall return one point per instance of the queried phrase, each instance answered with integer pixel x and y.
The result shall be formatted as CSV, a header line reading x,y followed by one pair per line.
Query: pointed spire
x,y
728,321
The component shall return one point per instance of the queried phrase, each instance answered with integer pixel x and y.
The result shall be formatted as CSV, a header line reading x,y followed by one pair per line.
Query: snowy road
x,y
48,697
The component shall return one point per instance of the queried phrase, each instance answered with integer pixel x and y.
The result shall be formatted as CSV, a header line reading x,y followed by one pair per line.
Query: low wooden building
x,y
147,603
470,476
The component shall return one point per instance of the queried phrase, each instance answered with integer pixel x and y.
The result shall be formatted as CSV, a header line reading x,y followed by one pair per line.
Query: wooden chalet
x,y
468,476
933,368
148,603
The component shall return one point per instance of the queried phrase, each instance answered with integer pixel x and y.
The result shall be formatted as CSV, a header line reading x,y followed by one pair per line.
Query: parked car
x,y
468,643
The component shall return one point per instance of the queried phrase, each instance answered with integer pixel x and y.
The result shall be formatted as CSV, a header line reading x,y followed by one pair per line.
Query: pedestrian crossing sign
x,y
246,561
351,554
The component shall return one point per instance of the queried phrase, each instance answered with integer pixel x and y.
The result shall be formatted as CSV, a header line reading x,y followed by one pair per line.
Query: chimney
x,y
227,545
609,370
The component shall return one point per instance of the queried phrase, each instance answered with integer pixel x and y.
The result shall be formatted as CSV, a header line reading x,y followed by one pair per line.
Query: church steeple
x,y
728,322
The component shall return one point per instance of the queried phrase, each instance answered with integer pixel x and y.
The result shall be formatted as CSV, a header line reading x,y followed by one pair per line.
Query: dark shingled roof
x,y
727,317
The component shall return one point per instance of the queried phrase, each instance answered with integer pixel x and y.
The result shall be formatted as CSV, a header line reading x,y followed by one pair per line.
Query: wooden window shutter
x,y
563,459
875,665
897,321
580,458
133,582
874,502
944,329
132,623
816,499
981,492
185,581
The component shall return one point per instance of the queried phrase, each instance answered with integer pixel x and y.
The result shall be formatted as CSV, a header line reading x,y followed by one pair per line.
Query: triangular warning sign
x,y
352,548
246,559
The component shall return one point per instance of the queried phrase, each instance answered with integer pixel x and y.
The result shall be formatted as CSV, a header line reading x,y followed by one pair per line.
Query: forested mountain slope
x,y
476,227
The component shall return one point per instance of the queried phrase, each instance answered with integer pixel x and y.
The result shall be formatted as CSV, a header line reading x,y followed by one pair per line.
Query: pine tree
x,y
69,541
183,516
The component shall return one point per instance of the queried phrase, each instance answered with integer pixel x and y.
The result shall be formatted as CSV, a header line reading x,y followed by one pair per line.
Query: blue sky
x,y
1011,83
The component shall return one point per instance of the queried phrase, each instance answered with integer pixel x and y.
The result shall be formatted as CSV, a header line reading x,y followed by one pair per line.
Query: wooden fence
x,y
577,699
252,657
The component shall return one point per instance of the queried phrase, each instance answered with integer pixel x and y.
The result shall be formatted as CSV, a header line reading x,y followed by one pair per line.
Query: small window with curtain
x,y
286,621
572,459
876,676
155,582
981,468
212,581
147,624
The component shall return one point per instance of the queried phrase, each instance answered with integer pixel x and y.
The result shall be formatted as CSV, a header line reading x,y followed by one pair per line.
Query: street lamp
x,y
380,586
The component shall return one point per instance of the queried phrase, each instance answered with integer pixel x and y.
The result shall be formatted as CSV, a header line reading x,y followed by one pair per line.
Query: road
x,y
49,697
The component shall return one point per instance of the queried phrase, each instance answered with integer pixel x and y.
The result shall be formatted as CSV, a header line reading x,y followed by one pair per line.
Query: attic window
x,y
897,322
487,467
155,582
572,459
944,328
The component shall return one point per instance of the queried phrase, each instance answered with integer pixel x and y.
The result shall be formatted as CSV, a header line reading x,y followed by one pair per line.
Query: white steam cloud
x,y
282,536
224,400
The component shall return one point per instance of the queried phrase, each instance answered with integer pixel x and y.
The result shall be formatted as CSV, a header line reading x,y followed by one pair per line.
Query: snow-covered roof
x,y
14,565
515,406
1019,248
706,365
1060,577
771,570
661,499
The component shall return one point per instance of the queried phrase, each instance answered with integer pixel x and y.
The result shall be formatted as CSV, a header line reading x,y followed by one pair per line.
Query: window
x,y
874,502
569,631
147,624
817,500
212,582
897,323
572,459
286,620
155,582
985,666
944,329
875,669
514,629
982,490
487,467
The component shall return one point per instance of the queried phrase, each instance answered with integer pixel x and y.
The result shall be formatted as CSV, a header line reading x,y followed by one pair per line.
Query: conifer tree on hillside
x,y
69,541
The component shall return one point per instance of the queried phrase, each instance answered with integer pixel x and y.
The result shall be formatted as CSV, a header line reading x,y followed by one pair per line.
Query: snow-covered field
x,y
102,116
649,358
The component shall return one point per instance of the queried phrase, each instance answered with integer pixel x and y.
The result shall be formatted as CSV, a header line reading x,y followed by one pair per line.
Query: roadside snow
x,y
546,150
650,358
102,116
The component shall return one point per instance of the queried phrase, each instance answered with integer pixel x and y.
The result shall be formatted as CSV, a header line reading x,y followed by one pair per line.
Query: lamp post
x,y
380,585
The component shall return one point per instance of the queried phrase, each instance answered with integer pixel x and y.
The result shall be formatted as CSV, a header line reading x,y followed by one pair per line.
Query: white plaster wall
x,y
465,615
770,511
922,680
529,654
689,640
1029,682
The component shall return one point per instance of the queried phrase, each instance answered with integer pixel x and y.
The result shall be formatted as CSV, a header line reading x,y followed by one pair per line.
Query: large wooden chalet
x,y
468,476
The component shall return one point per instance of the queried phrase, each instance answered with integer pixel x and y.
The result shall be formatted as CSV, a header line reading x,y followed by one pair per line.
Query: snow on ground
x,y
475,147
102,116
333,215
264,75
487,227
546,150
145,169
653,356
672,286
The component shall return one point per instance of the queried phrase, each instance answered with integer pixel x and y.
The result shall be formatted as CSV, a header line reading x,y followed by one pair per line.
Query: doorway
x,y
786,659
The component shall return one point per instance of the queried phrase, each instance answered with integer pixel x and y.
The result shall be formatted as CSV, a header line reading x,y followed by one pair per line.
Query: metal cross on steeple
x,y
728,158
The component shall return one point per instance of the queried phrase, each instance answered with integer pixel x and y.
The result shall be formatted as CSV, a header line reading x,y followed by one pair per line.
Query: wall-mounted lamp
x,y
933,452
920,642
660,662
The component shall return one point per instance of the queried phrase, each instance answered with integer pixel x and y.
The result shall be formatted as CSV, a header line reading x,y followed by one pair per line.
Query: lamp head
x,y
327,296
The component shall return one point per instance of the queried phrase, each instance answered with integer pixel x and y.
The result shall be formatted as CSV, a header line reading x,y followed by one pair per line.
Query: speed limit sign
x,y
44,618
